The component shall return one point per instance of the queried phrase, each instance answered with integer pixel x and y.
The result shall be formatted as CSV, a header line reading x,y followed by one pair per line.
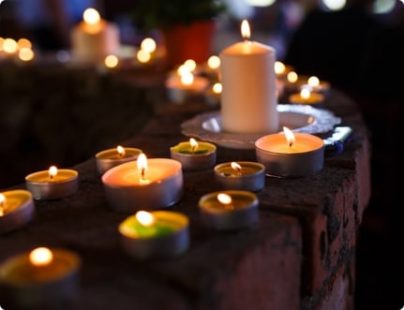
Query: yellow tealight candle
x,y
16,209
194,155
53,183
41,279
290,154
110,158
155,234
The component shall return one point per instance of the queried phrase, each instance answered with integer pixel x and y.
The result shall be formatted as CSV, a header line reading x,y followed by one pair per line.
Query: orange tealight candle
x,y
290,154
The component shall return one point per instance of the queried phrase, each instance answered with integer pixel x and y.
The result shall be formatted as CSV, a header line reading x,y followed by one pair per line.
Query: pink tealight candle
x,y
290,154
143,184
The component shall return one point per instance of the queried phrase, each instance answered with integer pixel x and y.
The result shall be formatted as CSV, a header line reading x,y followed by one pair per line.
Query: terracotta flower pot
x,y
192,41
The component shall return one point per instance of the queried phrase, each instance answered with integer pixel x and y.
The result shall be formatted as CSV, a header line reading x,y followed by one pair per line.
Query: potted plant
x,y
187,26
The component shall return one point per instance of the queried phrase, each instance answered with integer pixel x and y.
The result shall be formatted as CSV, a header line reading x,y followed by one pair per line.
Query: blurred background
x,y
53,114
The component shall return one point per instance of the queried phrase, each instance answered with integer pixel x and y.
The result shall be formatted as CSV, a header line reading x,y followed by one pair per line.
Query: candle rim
x,y
233,193
174,217
133,163
134,153
233,51
70,259
26,201
211,148
242,164
73,175
319,143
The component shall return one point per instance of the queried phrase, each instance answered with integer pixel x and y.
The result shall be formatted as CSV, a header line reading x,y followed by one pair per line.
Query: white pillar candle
x,y
249,91
94,39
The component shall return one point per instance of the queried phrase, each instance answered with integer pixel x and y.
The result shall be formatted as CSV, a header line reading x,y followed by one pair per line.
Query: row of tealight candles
x,y
190,79
133,183
20,49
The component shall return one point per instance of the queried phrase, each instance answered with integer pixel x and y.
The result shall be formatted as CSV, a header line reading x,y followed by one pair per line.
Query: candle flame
x,y
10,46
148,45
313,81
24,43
305,93
26,54
290,137
111,61
142,165
2,202
91,16
214,62
279,67
41,257
217,88
194,145
182,70
145,218
224,199
292,77
187,79
236,167
190,64
121,151
143,56
53,171
245,30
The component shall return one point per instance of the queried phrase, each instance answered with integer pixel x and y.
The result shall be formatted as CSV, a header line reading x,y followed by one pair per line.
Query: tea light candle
x,y
110,158
229,210
184,84
157,234
16,209
290,154
145,184
316,85
53,183
306,96
194,155
93,39
41,279
213,94
241,175
249,90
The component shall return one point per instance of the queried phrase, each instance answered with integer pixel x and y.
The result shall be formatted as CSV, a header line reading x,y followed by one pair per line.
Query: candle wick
x,y
51,176
142,173
290,144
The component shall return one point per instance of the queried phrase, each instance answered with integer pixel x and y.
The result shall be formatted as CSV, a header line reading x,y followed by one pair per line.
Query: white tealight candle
x,y
144,184
93,39
53,183
16,209
229,210
41,279
290,154
249,90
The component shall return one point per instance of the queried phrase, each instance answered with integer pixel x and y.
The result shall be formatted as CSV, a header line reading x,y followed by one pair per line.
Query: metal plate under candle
x,y
300,118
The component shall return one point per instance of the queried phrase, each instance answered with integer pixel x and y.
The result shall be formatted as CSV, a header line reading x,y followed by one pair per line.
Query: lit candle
x,y
214,63
144,184
194,155
109,158
53,183
290,154
10,46
93,39
26,54
315,84
306,96
292,77
241,175
16,209
157,234
184,84
213,94
148,45
41,279
111,61
229,210
249,90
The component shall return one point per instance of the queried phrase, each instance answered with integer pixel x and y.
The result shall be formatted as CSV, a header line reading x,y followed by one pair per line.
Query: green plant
x,y
151,14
